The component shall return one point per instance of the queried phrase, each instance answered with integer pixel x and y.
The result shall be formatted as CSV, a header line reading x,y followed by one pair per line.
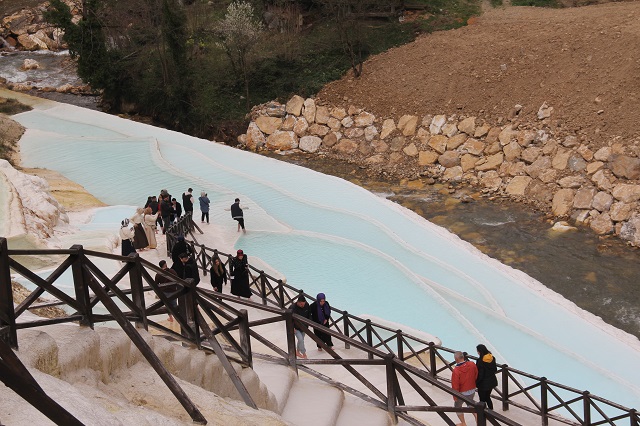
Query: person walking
x,y
218,275
179,247
165,211
177,210
238,214
140,241
487,369
463,380
150,229
168,290
126,235
187,202
301,307
239,274
321,312
204,206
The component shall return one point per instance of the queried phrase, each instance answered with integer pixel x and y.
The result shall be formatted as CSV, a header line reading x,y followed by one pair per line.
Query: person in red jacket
x,y
463,380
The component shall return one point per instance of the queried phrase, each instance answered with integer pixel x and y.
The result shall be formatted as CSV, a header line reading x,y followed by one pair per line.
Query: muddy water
x,y
598,274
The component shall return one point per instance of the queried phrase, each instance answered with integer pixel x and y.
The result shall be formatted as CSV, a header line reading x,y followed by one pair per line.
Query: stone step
x,y
313,403
278,378
355,411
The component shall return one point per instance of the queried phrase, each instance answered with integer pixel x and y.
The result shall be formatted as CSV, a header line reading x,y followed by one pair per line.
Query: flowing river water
x,y
598,274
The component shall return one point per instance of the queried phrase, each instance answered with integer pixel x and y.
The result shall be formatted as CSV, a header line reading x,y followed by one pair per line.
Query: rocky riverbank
x,y
527,161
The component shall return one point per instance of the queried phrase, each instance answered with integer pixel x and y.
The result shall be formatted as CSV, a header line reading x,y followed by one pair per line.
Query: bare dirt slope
x,y
585,62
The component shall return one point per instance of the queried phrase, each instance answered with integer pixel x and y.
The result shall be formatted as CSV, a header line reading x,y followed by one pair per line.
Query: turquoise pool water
x,y
368,255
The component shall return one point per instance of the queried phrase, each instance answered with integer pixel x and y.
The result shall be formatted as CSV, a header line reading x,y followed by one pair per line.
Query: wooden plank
x,y
81,287
148,353
233,375
48,321
245,336
43,283
7,311
26,303
137,293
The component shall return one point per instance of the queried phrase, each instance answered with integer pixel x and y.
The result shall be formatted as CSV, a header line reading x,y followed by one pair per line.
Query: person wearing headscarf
x,y
218,275
204,206
140,241
149,224
321,313
126,235
239,274
487,379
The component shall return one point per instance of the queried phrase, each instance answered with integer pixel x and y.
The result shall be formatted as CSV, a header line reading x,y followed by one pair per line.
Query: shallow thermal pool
x,y
369,255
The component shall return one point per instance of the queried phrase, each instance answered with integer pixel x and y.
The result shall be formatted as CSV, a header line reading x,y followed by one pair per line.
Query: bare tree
x,y
239,32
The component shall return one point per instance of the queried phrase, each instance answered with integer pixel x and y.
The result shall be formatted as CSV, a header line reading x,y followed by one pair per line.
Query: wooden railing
x,y
410,363
545,398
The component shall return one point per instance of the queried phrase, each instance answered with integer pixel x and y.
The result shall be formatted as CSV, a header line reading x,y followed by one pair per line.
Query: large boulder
x,y
281,140
602,201
438,143
449,159
407,124
602,180
322,115
492,163
468,162
370,132
364,119
436,124
491,180
310,143
584,198
346,146
294,106
410,150
602,224
309,110
627,193
630,230
468,126
255,138
269,125
388,126
474,147
625,167
426,158
562,202
518,185
621,211
318,130
301,126
380,146
455,141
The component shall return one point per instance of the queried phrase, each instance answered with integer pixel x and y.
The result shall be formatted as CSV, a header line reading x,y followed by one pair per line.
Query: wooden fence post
x,y
291,340
391,386
137,293
400,353
587,407
432,359
7,310
204,261
281,294
544,403
80,278
633,417
345,326
245,336
480,413
263,288
185,305
369,333
505,387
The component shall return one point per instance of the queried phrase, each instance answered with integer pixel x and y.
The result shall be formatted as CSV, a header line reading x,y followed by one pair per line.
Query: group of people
x,y
138,233
320,313
467,378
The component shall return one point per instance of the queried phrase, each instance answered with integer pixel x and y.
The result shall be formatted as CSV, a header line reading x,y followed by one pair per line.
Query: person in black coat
x,y
186,267
301,307
487,370
321,313
239,272
218,275
178,248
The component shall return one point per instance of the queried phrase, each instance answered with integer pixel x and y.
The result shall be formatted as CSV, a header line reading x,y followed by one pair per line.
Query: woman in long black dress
x,y
239,272
126,235
321,313
140,241
487,379
218,275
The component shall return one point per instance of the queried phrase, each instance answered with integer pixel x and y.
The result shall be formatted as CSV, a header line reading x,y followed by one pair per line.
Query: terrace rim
x,y
205,316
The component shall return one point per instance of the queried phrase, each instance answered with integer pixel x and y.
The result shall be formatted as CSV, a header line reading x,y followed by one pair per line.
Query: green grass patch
x,y
496,3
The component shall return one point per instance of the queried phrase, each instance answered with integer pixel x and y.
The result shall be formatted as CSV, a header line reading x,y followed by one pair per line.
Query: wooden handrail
x,y
197,306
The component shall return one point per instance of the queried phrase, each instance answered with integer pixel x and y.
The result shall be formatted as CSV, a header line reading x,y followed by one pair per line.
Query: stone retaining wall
x,y
560,174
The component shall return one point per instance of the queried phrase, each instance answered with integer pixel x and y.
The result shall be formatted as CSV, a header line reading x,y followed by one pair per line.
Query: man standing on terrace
x,y
463,380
